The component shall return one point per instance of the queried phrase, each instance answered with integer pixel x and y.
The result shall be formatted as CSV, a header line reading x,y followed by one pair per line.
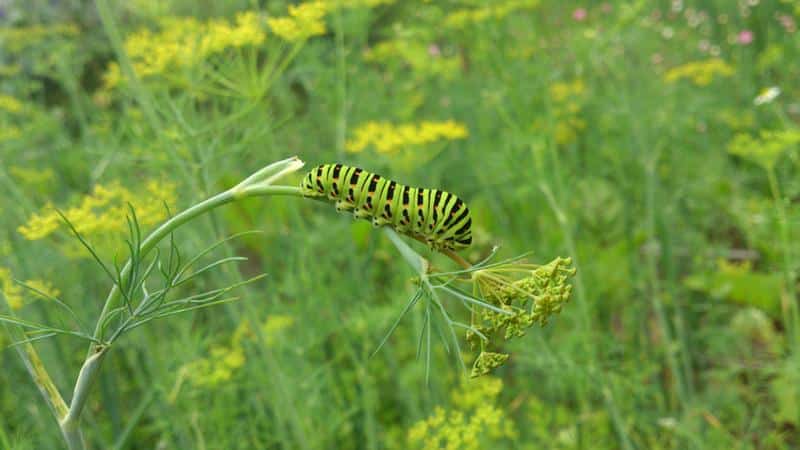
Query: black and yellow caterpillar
x,y
436,217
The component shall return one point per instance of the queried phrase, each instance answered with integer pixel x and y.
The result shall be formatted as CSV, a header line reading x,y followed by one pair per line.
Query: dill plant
x,y
143,289
506,298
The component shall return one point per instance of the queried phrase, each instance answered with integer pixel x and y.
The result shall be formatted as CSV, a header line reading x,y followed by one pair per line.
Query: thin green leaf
x,y
406,309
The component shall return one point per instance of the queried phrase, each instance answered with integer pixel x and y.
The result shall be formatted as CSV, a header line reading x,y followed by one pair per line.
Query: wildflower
x,y
473,422
14,292
745,37
736,119
218,367
274,326
700,73
10,104
16,39
579,15
567,99
358,3
304,21
528,294
424,60
9,133
104,210
765,150
35,180
43,289
788,23
562,91
486,362
10,289
461,18
767,95
389,138
184,42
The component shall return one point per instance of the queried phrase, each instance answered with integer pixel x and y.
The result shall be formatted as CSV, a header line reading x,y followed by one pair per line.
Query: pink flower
x,y
745,37
579,14
434,50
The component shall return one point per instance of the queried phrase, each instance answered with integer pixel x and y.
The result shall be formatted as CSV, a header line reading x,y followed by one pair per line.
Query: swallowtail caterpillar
x,y
436,217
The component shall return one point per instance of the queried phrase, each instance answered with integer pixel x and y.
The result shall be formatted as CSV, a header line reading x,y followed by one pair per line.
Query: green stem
x,y
149,243
258,184
790,322
35,367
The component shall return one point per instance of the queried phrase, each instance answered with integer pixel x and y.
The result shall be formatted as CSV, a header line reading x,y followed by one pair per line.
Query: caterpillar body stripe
x,y
439,218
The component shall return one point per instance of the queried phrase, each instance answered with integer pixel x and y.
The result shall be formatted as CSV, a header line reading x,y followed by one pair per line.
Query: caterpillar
x,y
439,218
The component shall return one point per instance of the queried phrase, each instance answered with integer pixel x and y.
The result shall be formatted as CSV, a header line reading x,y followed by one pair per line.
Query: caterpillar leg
x,y
359,213
379,221
344,206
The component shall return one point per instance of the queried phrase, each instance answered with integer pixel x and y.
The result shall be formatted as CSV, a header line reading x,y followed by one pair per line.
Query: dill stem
x,y
258,184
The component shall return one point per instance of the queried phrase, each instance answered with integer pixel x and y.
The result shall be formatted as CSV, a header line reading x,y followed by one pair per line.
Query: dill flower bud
x,y
486,362
525,294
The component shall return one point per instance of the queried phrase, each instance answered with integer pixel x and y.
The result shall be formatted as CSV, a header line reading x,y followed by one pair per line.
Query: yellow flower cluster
x,y
416,55
10,290
564,91
358,3
105,210
34,178
493,11
765,150
17,38
567,99
272,328
736,119
185,42
307,19
701,73
10,104
389,138
475,423
10,132
224,360
13,292
304,21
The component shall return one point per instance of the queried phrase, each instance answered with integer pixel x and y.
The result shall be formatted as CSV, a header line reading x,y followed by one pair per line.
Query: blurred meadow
x,y
655,143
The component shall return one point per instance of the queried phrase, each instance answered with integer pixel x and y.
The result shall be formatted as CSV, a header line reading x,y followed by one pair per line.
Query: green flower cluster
x,y
528,294
766,149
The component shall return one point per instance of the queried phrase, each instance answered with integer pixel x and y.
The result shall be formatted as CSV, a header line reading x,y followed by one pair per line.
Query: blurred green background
x,y
654,142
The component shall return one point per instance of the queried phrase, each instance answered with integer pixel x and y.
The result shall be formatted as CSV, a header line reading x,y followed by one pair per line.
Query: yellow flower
x,y
567,98
562,91
700,73
45,287
766,149
304,21
10,289
274,326
423,59
8,133
184,42
474,423
33,178
389,138
492,11
105,210
357,3
10,104
18,38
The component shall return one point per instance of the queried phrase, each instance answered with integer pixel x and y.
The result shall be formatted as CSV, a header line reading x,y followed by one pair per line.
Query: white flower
x,y
767,95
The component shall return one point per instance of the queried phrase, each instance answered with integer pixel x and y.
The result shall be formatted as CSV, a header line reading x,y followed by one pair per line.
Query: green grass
x,y
584,140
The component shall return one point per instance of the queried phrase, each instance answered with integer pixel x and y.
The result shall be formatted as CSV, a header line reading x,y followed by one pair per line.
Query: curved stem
x,y
258,184
150,242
